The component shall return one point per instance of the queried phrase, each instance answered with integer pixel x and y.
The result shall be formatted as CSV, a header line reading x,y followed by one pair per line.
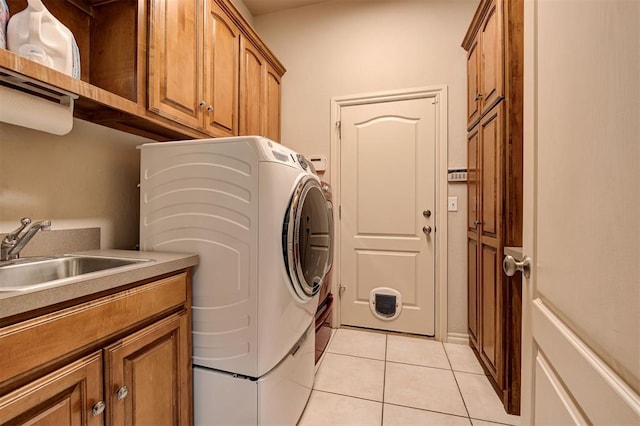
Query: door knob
x,y
426,229
511,266
426,213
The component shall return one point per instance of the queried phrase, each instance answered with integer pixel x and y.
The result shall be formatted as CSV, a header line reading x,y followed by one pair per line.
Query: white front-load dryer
x,y
256,215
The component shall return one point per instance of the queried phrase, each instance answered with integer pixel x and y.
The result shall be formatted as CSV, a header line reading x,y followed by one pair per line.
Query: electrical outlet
x,y
452,204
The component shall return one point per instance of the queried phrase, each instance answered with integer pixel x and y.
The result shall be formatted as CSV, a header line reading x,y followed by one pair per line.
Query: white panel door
x,y
581,306
387,181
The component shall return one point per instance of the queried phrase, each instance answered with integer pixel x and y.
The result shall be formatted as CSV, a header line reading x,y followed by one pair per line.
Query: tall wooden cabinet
x,y
494,48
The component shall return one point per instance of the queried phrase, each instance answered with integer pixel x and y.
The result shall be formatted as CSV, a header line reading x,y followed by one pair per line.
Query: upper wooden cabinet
x,y
162,69
485,47
259,94
221,59
193,65
272,103
229,89
252,82
175,61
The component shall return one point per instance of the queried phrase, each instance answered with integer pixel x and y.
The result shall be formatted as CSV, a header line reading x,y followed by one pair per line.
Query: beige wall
x,y
85,179
242,8
355,46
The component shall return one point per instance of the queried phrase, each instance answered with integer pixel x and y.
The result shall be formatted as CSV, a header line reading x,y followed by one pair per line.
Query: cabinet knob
x,y
478,97
210,108
476,222
98,408
202,104
122,393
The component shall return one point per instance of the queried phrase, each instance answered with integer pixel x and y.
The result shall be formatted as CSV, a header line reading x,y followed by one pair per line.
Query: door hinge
x,y
339,127
341,289
340,211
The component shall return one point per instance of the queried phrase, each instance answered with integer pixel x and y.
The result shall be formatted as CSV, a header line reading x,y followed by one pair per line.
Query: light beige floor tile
x,y
330,409
411,350
476,422
481,400
358,343
352,376
423,387
396,415
319,363
462,358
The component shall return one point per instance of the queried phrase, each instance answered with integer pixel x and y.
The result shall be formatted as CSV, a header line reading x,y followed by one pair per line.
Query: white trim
x,y
458,338
438,92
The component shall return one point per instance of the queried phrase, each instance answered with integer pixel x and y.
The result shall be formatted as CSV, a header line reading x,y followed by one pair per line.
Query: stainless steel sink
x,y
26,274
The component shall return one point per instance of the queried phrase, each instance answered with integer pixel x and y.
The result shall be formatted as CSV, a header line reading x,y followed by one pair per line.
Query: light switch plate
x,y
452,204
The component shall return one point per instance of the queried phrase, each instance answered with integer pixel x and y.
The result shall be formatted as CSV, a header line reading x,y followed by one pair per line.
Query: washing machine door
x,y
306,238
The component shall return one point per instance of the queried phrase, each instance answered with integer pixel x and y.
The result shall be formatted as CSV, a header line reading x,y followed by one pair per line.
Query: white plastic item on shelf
x,y
4,18
36,34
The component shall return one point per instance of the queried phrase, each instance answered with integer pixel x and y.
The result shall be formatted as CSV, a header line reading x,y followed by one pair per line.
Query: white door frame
x,y
439,95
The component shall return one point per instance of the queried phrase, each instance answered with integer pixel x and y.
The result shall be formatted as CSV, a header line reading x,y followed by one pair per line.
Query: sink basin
x,y
26,274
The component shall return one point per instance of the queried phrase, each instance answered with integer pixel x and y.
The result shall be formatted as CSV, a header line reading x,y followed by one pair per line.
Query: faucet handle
x,y
44,225
14,234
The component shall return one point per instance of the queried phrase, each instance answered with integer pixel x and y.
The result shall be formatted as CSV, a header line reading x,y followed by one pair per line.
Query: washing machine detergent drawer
x,y
277,398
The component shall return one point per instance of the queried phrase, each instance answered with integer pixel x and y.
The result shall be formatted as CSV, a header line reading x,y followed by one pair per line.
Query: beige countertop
x,y
18,302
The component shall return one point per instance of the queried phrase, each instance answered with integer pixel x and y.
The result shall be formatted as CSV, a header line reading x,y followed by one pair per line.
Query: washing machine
x,y
255,213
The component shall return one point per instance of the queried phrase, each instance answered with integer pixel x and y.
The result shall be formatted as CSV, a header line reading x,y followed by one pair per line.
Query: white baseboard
x,y
458,338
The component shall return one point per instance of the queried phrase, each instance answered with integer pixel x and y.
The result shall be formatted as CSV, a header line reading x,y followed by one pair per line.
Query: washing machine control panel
x,y
273,151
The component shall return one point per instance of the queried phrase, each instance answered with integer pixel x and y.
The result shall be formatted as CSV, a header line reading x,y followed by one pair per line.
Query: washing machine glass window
x,y
331,233
307,238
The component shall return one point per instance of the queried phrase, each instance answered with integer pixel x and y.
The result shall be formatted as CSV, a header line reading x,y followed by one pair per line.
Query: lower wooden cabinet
x,y
124,359
71,395
147,375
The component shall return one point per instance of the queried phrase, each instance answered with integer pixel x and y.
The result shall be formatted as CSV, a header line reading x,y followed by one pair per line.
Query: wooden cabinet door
x,y
491,246
175,60
252,84
221,64
272,104
154,365
473,295
473,222
492,61
473,86
64,397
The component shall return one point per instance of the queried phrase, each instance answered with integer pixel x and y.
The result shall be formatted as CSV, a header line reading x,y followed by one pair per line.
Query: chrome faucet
x,y
14,242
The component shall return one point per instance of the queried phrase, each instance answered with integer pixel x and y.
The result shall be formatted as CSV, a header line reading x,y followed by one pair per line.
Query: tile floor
x,y
369,378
